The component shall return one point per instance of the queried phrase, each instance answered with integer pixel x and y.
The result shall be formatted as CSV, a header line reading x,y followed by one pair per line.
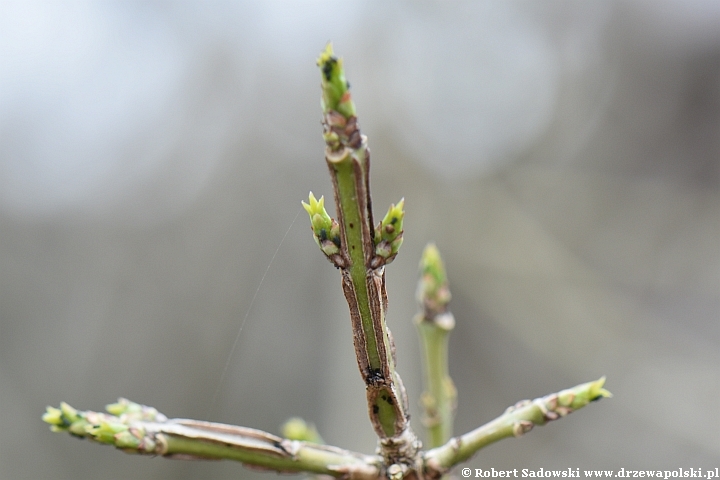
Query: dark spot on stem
x,y
376,409
351,225
323,235
393,221
327,68
374,377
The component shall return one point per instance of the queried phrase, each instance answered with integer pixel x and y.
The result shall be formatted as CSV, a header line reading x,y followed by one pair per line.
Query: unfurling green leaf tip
x,y
318,215
53,416
69,413
335,89
61,418
104,432
582,395
596,390
433,292
64,419
122,406
326,231
129,410
298,429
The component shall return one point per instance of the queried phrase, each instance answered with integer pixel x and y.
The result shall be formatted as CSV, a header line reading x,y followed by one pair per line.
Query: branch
x,y
360,250
136,428
516,421
434,324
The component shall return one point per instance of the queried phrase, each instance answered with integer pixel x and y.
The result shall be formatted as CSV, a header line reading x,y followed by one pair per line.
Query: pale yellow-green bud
x,y
105,431
433,291
389,234
335,89
298,429
53,416
69,413
326,230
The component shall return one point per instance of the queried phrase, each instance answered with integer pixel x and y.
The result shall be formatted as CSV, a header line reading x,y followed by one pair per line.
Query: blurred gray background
x,y
564,156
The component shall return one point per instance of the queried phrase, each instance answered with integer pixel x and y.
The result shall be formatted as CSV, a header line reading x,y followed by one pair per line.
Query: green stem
x,y
434,323
361,253
135,431
347,173
362,268
516,421
364,289
439,397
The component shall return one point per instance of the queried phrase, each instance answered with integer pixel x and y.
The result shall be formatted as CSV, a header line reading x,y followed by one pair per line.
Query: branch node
x,y
522,427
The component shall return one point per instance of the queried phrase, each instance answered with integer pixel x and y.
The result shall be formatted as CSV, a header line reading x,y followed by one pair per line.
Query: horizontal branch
x,y
136,428
516,421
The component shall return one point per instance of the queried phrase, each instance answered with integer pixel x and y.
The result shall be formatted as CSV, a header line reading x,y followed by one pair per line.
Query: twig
x,y
360,250
515,422
434,324
136,428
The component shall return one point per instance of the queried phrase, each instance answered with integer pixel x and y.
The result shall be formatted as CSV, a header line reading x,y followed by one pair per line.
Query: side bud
x,y
326,230
105,431
128,411
298,429
389,235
